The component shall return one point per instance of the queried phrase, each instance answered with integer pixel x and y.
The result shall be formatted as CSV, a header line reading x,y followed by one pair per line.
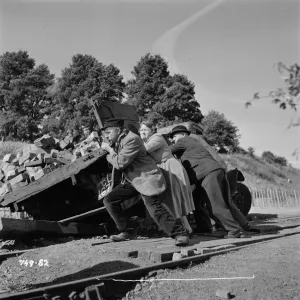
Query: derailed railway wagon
x,y
75,191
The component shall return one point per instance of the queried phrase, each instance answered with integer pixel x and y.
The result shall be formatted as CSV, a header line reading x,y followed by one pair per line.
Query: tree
x,y
24,100
159,96
272,158
288,96
281,161
251,151
220,132
269,156
85,79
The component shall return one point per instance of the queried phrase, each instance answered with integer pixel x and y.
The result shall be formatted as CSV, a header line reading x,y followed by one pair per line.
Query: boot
x,y
121,237
181,240
248,228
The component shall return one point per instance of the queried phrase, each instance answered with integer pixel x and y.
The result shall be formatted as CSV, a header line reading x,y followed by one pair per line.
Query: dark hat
x,y
112,122
177,129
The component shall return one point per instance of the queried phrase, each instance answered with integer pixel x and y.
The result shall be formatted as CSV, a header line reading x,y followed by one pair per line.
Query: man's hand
x,y
106,147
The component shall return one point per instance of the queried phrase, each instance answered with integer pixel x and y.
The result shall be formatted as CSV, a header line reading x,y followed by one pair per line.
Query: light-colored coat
x,y
178,195
158,148
137,167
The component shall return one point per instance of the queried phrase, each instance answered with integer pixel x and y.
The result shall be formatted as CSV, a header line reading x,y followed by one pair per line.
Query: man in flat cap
x,y
140,176
211,184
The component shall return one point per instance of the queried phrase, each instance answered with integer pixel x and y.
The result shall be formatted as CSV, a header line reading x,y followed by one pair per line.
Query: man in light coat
x,y
140,176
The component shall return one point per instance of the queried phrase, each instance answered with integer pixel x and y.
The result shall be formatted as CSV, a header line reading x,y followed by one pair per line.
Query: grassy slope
x,y
261,174
257,172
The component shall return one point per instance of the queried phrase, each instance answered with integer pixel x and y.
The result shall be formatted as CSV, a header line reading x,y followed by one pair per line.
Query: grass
x,y
11,147
260,173
15,147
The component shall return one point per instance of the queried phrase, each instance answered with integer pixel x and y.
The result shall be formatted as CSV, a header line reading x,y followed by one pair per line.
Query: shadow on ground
x,y
258,216
97,270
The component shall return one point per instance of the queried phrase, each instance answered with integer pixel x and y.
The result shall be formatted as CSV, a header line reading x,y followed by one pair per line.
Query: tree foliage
x,y
159,96
289,96
24,100
272,158
220,132
85,79
251,151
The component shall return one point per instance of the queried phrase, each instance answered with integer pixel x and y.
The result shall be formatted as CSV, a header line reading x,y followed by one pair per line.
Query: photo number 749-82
x,y
31,263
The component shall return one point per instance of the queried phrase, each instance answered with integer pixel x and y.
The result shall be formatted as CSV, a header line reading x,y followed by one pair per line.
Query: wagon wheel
x,y
242,198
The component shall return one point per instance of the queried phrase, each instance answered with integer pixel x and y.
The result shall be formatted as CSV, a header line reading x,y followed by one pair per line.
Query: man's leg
x,y
113,201
201,212
236,213
212,184
165,220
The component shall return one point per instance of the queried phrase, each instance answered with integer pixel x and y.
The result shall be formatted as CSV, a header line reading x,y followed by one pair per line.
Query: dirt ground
x,y
59,263
275,266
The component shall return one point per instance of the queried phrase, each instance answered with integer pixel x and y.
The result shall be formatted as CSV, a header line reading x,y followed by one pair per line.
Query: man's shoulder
x,y
131,137
188,140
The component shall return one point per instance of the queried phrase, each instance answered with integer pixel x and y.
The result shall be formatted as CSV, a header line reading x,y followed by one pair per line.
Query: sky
x,y
228,48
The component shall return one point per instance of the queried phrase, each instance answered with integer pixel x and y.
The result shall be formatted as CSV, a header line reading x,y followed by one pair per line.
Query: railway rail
x,y
116,285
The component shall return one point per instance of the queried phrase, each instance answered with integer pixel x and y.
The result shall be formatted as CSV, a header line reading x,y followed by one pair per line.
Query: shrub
x,y
251,151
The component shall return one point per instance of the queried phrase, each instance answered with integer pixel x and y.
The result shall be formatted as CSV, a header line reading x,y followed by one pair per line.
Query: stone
x,y
5,188
11,174
19,178
144,254
45,141
187,252
176,256
41,156
32,171
5,166
34,163
128,253
39,174
223,293
15,162
21,169
94,135
2,176
62,144
159,257
26,156
138,288
54,153
9,157
202,251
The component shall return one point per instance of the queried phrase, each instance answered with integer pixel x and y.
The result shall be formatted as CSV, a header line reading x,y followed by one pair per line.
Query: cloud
x,y
166,43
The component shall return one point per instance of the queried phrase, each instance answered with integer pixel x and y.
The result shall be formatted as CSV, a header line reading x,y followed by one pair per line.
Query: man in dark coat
x,y
140,174
236,213
209,177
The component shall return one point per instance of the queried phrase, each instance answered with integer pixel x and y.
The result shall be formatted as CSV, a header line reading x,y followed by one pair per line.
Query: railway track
x,y
116,285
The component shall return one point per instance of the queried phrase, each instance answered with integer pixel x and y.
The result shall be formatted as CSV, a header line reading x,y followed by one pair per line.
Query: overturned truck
x,y
74,190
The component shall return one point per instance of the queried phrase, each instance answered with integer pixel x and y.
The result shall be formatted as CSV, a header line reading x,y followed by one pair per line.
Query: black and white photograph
x,y
149,149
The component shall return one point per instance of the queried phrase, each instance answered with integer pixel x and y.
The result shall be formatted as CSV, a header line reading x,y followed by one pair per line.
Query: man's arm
x,y
127,154
211,150
178,147
154,143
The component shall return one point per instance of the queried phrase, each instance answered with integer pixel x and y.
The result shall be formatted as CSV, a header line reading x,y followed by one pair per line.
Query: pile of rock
x,y
19,170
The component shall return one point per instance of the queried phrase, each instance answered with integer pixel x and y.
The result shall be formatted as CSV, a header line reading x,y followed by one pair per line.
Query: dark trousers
x,y
213,190
157,211
201,212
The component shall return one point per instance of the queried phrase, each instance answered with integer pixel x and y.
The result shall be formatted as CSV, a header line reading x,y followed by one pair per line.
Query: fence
x,y
5,212
275,197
